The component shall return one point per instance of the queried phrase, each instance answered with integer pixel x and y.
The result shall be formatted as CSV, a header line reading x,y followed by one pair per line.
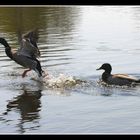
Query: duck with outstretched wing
x,y
27,54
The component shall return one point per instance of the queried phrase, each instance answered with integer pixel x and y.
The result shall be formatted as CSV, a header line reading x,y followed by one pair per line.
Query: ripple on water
x,y
63,82
117,90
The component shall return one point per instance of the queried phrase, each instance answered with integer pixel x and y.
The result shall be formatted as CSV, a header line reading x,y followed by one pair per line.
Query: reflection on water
x,y
47,19
27,105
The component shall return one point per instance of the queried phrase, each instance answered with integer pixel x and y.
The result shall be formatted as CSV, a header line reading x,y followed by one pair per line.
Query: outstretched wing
x,y
28,44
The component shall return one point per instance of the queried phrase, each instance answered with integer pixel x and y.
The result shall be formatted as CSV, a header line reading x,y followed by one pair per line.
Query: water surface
x,y
75,41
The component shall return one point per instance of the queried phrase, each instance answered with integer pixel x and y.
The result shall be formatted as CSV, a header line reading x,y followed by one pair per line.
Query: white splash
x,y
60,81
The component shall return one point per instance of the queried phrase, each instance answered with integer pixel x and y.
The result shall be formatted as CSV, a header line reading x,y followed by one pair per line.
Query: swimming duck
x,y
27,54
116,79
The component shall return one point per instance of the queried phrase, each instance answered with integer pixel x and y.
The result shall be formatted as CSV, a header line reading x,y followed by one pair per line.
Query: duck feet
x,y
24,73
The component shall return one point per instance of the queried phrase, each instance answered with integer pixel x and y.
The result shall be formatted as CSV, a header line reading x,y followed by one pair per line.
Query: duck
x,y
116,79
27,54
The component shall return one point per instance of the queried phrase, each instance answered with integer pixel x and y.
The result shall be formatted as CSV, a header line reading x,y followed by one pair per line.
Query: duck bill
x,y
99,68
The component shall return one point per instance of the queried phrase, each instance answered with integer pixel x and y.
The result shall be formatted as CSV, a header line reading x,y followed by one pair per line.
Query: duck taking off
x,y
116,79
27,54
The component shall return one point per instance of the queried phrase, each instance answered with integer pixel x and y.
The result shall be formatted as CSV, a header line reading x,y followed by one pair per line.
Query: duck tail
x,y
39,68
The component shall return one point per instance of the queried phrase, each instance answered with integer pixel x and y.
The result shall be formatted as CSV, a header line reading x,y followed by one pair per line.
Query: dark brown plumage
x,y
27,54
116,79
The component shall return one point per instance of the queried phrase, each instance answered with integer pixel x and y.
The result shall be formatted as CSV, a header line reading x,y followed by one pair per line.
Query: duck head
x,y
7,47
107,67
4,42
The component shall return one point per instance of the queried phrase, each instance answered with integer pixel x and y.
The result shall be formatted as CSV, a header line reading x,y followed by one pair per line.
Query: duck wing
x,y
122,79
125,76
28,45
